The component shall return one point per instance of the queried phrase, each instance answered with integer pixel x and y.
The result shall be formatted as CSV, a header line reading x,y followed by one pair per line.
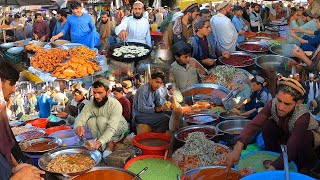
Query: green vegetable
x,y
158,169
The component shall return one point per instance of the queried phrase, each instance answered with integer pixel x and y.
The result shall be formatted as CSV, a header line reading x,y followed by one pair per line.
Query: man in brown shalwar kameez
x,y
284,120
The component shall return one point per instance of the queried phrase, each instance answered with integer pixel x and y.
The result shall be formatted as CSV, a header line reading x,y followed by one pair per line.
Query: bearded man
x,y
135,28
105,30
62,18
103,117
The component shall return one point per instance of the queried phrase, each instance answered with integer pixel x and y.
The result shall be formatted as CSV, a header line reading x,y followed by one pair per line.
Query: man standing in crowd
x,y
104,27
62,18
53,20
45,103
135,28
148,105
81,26
224,31
40,29
103,117
239,24
255,19
125,103
181,28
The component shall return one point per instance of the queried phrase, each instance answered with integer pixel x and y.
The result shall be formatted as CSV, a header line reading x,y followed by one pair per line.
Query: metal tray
x,y
263,38
16,123
7,45
251,42
239,53
70,45
283,50
218,91
276,63
110,168
122,59
15,50
230,115
24,145
176,134
189,118
20,139
47,157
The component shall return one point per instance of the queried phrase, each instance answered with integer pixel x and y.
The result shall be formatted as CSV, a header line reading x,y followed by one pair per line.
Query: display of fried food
x,y
48,60
34,48
83,52
75,68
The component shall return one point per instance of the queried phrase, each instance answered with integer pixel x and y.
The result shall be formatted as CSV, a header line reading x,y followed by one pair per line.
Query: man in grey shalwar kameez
x,y
148,105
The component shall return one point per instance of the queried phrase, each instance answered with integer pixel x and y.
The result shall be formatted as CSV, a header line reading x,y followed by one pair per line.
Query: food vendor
x,y
103,117
224,31
148,105
10,152
135,28
185,70
44,103
40,28
81,26
259,97
313,62
62,19
70,112
284,120
203,43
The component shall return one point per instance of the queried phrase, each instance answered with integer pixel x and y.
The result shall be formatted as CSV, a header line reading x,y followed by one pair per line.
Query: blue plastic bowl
x,y
276,175
33,159
68,137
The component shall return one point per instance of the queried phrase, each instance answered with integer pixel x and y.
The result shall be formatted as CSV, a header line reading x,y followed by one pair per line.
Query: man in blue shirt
x,y
44,104
62,18
239,23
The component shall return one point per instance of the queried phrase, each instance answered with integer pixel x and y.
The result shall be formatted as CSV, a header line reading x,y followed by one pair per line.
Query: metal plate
x,y
20,138
37,43
276,63
24,42
107,169
230,115
59,42
47,157
16,123
239,53
176,134
7,45
259,38
15,50
24,145
258,43
284,50
190,119
70,45
215,90
122,59
232,125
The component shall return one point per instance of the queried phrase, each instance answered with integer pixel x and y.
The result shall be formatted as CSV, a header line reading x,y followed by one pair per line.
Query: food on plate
x,y
106,174
69,163
41,146
254,47
22,129
129,56
158,169
34,48
199,151
27,117
131,51
117,53
48,60
213,173
200,119
238,60
273,42
76,68
29,135
264,34
308,53
208,132
83,52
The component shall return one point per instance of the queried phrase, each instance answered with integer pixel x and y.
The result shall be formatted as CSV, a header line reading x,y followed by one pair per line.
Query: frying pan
x,y
122,58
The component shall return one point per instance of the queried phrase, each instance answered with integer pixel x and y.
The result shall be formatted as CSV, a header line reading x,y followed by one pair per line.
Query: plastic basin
x,y
152,150
56,128
40,122
33,158
68,137
274,175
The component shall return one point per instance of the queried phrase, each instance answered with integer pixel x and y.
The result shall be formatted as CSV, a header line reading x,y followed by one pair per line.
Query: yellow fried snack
x,y
83,53
34,48
48,60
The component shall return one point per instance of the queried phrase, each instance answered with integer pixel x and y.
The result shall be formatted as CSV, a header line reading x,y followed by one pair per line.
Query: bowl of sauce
x,y
40,145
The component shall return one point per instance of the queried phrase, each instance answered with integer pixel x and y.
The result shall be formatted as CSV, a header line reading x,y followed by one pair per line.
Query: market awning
x,y
25,2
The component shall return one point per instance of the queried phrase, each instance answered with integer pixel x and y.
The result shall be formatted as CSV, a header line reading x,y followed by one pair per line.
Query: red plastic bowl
x,y
40,122
56,128
151,150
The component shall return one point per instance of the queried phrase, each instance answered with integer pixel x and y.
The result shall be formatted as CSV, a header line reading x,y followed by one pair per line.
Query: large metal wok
x,y
47,157
277,63
283,50
239,53
254,43
122,58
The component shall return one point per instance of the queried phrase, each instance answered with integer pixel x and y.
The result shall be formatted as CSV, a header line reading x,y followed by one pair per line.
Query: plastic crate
x,y
13,58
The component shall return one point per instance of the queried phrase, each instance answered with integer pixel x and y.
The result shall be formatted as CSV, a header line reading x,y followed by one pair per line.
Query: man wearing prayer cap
x,y
224,31
312,88
181,28
284,120
135,28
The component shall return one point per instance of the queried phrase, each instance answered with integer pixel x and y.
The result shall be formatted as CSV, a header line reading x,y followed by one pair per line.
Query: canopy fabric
x,y
25,2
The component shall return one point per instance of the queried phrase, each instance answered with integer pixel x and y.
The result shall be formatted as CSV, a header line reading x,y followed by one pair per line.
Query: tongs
x,y
285,161
142,171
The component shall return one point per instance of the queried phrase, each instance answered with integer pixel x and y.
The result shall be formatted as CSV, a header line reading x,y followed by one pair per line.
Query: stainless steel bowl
x,y
47,157
70,45
177,133
251,42
283,49
219,91
276,63
15,50
108,169
259,38
232,127
38,43
24,145
59,42
229,115
6,45
20,138
239,53
189,119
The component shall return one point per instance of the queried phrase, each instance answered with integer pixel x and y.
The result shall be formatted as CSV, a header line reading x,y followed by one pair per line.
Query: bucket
x,y
56,128
40,122
33,158
68,137
270,175
152,150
